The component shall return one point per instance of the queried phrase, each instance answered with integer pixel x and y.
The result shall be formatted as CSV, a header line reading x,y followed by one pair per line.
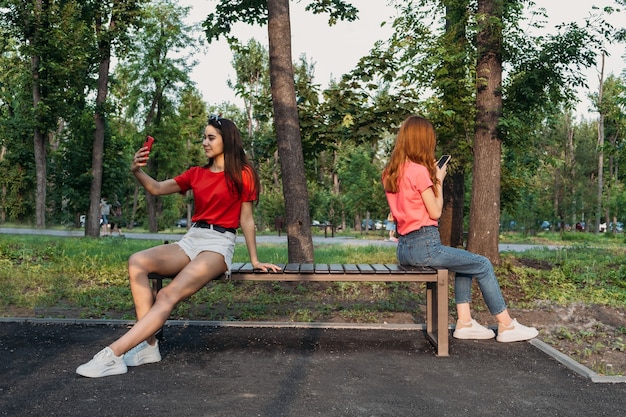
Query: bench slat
x,y
395,269
292,269
336,269
321,269
418,269
236,266
380,268
351,269
364,268
307,268
246,268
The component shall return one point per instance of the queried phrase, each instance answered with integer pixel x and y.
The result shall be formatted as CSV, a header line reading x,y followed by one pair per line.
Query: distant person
x,y
224,190
116,219
105,211
391,227
414,189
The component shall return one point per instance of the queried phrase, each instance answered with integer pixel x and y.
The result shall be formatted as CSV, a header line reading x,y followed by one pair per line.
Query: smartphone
x,y
148,143
443,160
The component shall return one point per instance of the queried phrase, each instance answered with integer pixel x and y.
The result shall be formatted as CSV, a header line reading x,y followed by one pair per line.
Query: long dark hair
x,y
235,159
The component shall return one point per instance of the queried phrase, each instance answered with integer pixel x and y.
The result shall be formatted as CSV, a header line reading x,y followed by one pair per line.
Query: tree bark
x,y
485,204
92,226
298,222
38,136
600,148
451,221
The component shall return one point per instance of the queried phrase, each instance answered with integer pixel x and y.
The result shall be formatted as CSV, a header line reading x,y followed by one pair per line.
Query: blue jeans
x,y
423,248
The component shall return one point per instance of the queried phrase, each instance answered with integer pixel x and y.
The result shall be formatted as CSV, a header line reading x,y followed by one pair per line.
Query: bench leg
x,y
157,285
437,312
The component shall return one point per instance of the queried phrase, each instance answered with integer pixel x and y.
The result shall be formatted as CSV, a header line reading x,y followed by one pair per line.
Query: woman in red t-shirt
x,y
413,187
225,190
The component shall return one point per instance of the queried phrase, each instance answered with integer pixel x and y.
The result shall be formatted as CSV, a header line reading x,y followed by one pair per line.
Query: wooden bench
x,y
436,286
325,226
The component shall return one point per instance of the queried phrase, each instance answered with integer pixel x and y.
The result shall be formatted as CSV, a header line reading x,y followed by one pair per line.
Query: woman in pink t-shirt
x,y
225,190
413,186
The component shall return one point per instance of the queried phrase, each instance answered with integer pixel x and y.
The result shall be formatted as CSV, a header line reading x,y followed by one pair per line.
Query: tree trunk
x,y
451,221
600,147
38,135
300,242
485,205
153,202
92,226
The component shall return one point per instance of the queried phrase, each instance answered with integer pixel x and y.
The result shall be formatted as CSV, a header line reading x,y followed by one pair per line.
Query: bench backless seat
x,y
436,285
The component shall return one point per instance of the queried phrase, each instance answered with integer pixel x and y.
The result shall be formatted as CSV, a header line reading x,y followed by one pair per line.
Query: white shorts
x,y
198,240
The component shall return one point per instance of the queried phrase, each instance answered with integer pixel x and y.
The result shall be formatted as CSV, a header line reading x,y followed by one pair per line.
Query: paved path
x,y
338,239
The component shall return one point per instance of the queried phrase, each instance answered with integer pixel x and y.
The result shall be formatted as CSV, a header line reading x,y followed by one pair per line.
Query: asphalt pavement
x,y
220,370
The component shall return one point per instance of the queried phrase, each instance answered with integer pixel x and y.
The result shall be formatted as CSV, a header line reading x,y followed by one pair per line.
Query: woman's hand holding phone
x,y
148,143
441,167
443,160
141,156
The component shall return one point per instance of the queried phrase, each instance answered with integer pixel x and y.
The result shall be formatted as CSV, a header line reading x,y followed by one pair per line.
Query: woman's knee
x,y
167,299
137,266
485,264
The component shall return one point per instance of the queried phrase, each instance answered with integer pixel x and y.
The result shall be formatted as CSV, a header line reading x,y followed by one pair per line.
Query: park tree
x,y
275,13
610,103
15,135
112,22
155,69
252,84
48,39
485,202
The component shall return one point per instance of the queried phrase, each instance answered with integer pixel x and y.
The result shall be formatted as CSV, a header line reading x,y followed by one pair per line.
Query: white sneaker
x,y
472,330
104,363
515,332
143,353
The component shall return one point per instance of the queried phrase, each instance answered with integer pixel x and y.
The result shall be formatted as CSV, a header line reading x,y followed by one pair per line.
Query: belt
x,y
221,229
422,229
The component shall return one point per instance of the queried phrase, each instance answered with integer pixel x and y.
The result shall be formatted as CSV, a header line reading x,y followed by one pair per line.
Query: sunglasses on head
x,y
215,119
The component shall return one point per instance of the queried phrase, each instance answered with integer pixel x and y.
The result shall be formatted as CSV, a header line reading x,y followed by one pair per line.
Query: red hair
x,y
415,142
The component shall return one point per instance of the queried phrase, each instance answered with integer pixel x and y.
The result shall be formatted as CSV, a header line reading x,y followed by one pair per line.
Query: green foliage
x,y
254,12
361,186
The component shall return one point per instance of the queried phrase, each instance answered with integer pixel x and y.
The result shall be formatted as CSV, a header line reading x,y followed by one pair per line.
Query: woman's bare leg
x,y
465,315
165,260
193,276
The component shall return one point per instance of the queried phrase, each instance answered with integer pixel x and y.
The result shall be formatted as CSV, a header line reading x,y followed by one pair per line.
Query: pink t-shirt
x,y
407,205
214,201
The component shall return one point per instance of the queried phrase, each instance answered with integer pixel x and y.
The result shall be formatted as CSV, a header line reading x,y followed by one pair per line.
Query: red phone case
x,y
148,143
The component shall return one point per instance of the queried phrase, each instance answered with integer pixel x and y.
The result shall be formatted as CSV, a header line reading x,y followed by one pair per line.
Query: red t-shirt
x,y
214,202
407,205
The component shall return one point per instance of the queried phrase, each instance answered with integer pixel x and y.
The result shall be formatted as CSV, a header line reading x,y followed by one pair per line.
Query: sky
x,y
335,50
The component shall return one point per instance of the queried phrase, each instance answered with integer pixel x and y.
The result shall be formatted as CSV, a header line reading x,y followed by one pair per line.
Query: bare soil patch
x,y
594,336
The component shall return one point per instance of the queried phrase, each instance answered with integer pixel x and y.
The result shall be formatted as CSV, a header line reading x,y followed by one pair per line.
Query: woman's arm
x,y
151,185
246,221
434,205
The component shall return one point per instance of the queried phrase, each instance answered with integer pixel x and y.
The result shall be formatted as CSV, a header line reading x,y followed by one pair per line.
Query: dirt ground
x,y
594,336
